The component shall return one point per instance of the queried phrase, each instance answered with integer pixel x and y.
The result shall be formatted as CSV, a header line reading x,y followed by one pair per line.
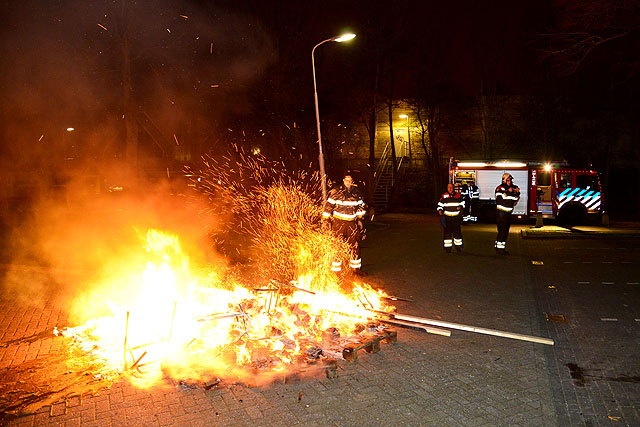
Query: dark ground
x,y
589,377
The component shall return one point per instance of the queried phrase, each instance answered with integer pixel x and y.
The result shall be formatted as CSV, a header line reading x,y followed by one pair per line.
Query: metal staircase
x,y
384,180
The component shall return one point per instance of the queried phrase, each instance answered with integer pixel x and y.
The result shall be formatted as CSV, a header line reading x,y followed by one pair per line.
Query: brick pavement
x,y
595,360
465,379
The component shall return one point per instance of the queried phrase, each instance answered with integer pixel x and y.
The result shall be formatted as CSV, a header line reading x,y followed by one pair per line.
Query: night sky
x,y
201,70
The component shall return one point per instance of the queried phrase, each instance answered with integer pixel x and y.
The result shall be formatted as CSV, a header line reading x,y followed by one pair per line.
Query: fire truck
x,y
553,190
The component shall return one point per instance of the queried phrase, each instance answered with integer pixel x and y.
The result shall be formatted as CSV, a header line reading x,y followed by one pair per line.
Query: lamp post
x,y
339,39
406,116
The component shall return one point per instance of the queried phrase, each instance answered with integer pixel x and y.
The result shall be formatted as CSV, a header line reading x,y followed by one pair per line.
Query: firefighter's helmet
x,y
506,176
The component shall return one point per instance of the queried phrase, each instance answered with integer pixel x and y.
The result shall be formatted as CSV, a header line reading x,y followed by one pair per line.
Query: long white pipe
x,y
469,328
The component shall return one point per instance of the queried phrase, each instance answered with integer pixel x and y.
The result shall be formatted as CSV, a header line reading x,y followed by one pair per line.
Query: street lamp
x,y
406,116
340,39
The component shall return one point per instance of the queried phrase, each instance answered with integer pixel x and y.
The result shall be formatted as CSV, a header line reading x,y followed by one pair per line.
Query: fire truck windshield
x,y
544,179
589,182
564,180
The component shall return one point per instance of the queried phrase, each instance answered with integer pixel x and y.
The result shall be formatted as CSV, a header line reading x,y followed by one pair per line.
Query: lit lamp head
x,y
344,38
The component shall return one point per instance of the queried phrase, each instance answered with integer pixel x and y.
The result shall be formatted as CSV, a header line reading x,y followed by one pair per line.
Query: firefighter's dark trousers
x,y
503,221
466,210
473,209
350,232
452,234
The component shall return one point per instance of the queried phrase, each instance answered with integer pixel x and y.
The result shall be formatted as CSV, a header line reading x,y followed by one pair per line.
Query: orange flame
x,y
188,325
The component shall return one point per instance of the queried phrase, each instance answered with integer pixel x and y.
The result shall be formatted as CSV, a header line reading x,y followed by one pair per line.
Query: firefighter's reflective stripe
x,y
336,266
501,245
506,197
505,201
589,198
344,204
448,243
355,263
345,217
347,202
457,242
451,205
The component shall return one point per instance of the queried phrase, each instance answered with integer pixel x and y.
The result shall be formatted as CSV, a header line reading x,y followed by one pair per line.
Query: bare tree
x,y
389,101
365,99
129,110
584,26
601,37
486,109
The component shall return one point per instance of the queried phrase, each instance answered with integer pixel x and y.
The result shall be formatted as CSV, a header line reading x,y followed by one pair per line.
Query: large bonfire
x,y
181,320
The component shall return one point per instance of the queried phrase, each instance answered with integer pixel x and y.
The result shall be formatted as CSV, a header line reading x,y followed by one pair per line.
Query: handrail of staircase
x,y
384,159
398,166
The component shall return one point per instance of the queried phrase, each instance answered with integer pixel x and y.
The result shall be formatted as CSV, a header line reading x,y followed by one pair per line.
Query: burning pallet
x,y
370,343
280,330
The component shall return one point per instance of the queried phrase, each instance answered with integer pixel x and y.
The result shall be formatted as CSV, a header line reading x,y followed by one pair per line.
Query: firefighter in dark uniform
x,y
507,196
344,211
463,189
474,198
450,207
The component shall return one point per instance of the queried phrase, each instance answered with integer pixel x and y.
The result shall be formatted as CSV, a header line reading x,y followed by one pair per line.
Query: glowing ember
x,y
185,322
197,328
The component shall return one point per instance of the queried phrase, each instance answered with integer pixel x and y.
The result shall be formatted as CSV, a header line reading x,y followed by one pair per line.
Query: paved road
x,y
595,285
590,377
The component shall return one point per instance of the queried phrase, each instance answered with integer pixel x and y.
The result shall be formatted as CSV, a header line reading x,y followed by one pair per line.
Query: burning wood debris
x,y
194,324
171,318
183,325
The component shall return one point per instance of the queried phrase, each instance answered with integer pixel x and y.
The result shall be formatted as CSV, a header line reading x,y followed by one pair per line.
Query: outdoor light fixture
x,y
547,167
323,176
511,164
472,164
344,38
70,129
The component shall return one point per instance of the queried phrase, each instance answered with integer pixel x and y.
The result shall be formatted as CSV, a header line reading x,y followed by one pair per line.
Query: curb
x,y
533,233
